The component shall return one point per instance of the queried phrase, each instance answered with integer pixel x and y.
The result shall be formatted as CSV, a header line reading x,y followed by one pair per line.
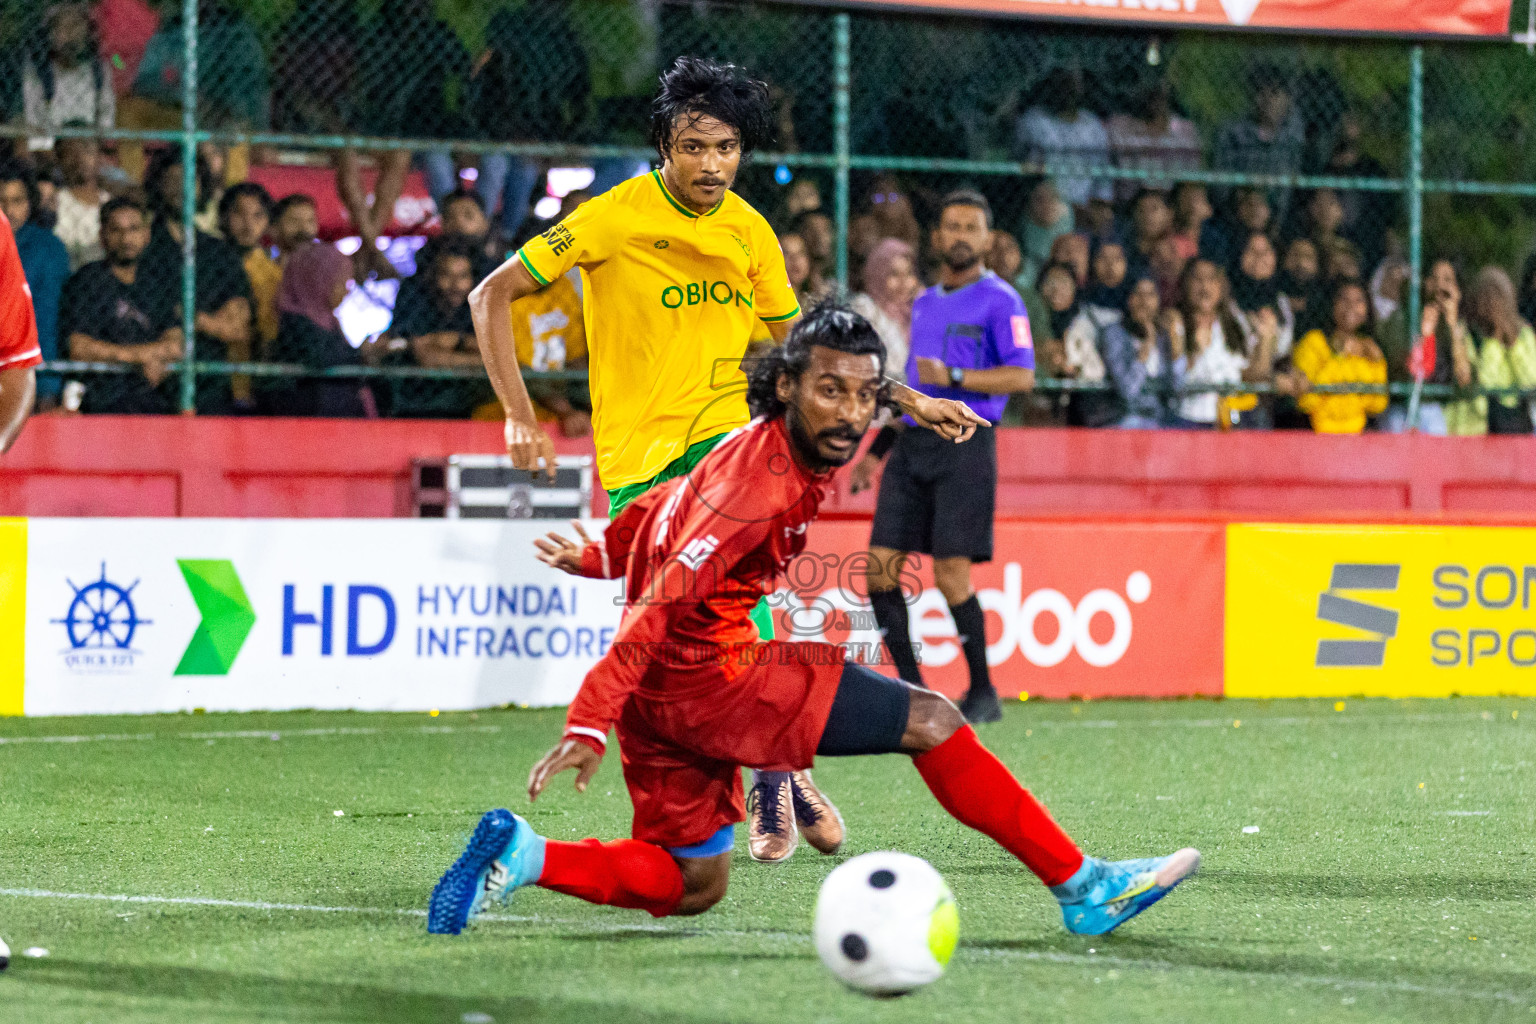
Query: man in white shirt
x,y
79,223
1059,130
70,82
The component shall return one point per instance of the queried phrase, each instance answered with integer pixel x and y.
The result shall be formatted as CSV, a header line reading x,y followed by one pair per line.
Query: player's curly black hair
x,y
698,87
830,326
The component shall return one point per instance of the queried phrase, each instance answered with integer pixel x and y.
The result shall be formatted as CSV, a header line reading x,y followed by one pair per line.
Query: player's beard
x,y
809,446
961,256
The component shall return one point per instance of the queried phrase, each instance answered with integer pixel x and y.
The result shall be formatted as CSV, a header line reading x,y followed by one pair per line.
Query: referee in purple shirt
x,y
970,342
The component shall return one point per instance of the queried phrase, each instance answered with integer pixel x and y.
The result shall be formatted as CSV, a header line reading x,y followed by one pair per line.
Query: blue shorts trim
x,y
723,841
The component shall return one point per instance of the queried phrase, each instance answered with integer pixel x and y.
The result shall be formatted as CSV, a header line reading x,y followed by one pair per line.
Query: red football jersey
x,y
698,554
18,324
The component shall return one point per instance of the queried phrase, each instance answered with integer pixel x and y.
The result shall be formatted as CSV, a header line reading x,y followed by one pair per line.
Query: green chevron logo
x,y
227,617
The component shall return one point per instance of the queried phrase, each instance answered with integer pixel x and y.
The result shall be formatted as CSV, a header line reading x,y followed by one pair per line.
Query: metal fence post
x,y
1415,195
842,32
189,204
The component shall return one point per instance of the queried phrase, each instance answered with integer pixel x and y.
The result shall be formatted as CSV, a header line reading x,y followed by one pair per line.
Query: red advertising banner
x,y
1385,17
1073,609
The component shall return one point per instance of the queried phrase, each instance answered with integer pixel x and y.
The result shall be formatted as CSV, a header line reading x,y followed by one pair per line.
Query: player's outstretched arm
x,y
949,419
489,306
561,552
566,755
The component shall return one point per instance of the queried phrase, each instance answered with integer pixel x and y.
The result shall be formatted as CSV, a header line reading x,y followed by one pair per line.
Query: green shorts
x,y
620,497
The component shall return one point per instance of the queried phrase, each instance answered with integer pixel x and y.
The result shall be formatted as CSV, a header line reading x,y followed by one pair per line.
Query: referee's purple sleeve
x,y
1012,342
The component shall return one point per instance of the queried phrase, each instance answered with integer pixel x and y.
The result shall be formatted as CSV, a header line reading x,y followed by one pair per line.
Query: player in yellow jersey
x,y
677,271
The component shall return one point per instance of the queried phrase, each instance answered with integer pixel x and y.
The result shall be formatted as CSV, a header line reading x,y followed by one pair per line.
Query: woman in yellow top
x,y
1346,354
1507,356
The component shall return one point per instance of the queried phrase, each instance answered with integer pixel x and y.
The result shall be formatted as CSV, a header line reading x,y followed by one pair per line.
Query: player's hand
x,y
561,552
566,755
932,372
951,420
528,445
863,476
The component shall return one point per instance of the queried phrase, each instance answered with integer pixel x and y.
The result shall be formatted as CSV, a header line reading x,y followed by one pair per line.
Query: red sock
x,y
979,791
623,873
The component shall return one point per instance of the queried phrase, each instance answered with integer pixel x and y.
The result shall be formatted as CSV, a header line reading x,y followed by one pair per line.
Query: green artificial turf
x,y
1390,834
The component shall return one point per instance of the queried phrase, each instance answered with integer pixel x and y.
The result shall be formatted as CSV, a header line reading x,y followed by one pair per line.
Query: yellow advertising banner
x,y
1380,611
13,613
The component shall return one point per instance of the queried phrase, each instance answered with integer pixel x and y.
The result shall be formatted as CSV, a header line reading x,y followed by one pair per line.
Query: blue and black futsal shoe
x,y
503,855
1104,894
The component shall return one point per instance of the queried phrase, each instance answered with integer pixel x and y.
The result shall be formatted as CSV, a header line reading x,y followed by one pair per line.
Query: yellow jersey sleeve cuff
x,y
528,265
766,319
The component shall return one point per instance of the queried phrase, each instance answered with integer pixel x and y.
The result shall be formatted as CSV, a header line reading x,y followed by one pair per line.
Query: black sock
x,y
971,624
891,615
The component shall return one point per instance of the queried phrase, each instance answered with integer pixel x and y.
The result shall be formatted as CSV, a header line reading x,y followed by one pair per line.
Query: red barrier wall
x,y
170,466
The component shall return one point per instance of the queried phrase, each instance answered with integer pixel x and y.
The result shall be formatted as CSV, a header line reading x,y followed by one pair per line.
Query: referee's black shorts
x,y
938,497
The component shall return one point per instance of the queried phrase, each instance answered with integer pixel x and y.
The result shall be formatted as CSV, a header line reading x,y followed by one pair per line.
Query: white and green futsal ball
x,y
886,923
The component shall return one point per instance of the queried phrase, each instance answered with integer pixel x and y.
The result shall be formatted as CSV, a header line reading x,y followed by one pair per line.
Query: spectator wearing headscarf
x,y
315,281
1255,277
1507,356
1108,280
890,286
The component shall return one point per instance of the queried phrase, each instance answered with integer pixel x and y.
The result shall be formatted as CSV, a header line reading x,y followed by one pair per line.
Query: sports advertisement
x,y
143,615
1072,609
1384,17
1382,611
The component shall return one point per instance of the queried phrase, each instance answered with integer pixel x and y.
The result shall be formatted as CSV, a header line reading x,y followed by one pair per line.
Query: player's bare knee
x,y
931,720
704,883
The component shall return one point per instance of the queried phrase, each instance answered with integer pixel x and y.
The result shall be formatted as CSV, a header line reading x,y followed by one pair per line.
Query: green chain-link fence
x,y
1355,156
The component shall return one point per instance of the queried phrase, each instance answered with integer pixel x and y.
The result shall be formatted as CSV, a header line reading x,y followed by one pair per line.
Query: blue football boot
x,y
1105,894
503,854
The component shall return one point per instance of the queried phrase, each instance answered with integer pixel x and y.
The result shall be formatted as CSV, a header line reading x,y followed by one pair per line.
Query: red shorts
x,y
685,735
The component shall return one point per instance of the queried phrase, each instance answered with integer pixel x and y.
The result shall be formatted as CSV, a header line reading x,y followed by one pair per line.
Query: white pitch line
x,y
694,931
250,734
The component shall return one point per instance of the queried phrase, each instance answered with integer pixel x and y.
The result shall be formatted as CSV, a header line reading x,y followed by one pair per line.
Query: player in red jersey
x,y
694,695
19,351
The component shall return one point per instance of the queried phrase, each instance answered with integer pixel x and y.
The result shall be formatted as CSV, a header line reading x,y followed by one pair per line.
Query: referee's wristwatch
x,y
956,377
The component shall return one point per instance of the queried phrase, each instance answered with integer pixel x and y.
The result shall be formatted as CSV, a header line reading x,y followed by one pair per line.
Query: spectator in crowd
x,y
1342,352
1342,260
1074,251
233,91
1141,360
1108,281
531,84
79,203
1151,222
816,230
1194,231
44,263
804,271
1153,139
223,312
803,195
1167,267
464,219
1271,140
124,29
1302,285
1388,285
295,224
1506,357
1527,303
1212,341
887,214
316,281
245,214
1060,131
436,323
1324,219
1366,214
1071,346
1248,212
1046,218
1451,359
66,79
1005,259
113,311
890,287
1257,303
